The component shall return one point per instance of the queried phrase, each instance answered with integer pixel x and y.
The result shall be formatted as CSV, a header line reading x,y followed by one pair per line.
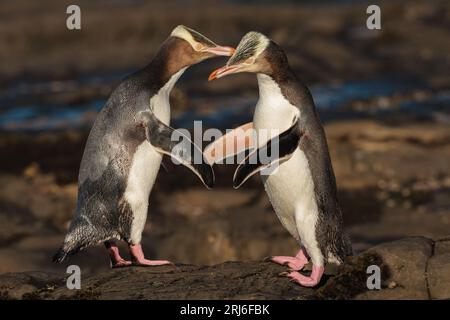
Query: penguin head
x,y
255,53
199,46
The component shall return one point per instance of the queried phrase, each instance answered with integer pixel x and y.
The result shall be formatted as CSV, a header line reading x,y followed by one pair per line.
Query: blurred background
x,y
383,95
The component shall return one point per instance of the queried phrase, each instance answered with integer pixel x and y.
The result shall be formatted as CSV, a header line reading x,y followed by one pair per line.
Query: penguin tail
x,y
67,249
63,252
79,237
74,241
60,255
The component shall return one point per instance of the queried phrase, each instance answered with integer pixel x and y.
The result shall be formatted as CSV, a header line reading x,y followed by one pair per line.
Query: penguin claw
x,y
268,259
307,281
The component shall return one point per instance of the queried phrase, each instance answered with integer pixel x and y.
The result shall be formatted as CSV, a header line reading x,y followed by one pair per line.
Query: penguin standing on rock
x,y
302,189
124,151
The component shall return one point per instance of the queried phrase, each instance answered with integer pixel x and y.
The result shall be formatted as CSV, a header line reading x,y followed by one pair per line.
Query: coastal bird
x,y
301,183
124,150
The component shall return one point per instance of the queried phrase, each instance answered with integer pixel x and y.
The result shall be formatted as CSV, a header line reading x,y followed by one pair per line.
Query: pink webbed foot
x,y
139,260
305,281
295,263
149,263
116,260
121,264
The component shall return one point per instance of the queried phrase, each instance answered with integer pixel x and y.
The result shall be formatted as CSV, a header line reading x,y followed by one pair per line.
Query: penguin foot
x,y
116,260
150,263
138,259
305,281
293,263
120,264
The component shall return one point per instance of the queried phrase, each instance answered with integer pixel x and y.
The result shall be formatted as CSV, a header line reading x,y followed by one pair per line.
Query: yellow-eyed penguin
x,y
302,189
125,147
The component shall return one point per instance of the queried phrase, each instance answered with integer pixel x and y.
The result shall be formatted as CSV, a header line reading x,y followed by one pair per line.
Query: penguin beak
x,y
224,71
220,51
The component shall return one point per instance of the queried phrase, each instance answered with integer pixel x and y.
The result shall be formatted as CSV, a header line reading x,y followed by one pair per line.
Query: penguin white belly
x,y
291,192
146,162
143,171
290,188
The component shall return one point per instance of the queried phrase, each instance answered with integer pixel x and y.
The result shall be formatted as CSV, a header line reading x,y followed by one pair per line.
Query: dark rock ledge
x,y
412,268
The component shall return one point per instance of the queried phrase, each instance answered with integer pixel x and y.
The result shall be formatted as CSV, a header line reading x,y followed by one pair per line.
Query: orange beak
x,y
221,51
221,72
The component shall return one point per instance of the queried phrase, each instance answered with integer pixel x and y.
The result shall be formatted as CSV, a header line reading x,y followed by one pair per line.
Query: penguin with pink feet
x,y
124,151
302,187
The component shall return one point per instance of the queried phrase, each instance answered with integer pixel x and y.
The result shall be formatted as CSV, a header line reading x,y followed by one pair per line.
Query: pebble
x,y
392,285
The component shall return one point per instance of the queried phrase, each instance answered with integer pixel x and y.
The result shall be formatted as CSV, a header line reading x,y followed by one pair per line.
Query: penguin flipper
x,y
167,140
230,144
285,144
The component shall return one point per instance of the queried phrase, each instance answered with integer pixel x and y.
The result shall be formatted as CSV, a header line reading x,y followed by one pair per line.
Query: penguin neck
x,y
163,72
281,74
169,84
168,65
269,88
285,83
273,110
160,102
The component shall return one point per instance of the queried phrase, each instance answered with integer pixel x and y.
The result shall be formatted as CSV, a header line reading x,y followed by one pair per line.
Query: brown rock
x,y
22,285
405,261
439,276
403,265
230,280
442,247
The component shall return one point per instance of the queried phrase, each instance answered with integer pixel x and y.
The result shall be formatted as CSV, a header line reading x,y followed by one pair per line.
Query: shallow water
x,y
334,101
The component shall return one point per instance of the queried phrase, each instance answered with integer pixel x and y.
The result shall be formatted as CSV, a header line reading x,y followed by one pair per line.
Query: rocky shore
x,y
411,268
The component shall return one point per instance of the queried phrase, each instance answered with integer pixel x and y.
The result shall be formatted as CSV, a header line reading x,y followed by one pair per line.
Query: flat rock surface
x,y
405,265
409,270
230,280
438,270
